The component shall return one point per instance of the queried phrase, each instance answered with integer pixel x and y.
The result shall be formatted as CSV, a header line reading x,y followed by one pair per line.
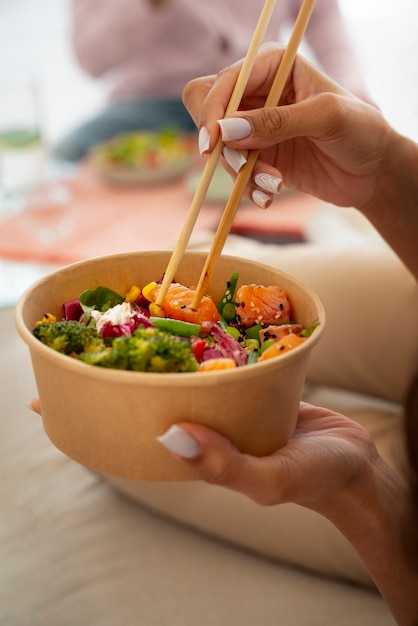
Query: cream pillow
x,y
369,347
370,344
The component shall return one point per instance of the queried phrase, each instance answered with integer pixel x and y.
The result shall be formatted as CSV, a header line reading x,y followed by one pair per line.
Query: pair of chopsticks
x,y
245,172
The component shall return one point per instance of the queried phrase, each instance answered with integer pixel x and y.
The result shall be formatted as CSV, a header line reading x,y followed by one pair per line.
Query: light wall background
x,y
34,38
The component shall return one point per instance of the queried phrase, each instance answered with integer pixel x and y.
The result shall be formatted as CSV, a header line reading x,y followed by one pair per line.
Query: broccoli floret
x,y
148,350
107,356
69,337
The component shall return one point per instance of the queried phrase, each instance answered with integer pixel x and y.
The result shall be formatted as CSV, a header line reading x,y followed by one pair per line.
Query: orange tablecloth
x,y
103,219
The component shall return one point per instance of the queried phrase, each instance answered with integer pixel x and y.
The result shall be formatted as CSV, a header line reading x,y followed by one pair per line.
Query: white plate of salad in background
x,y
144,157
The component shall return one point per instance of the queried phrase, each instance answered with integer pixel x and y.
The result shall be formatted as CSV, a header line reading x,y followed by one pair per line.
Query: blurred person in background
x,y
145,51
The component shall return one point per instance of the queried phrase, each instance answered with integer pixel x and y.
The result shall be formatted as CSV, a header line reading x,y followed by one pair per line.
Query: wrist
x,y
397,174
371,513
376,500
393,209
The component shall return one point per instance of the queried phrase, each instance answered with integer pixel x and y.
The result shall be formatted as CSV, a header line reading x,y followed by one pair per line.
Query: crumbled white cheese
x,y
119,314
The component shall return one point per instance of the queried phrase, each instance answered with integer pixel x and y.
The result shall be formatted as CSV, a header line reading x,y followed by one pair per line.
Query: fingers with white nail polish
x,y
234,128
177,440
234,158
268,182
203,140
261,199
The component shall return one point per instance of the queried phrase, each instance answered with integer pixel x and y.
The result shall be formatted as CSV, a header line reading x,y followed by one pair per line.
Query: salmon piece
x,y
286,343
262,305
177,305
277,332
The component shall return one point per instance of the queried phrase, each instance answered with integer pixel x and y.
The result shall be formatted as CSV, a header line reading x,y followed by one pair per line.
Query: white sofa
x,y
75,550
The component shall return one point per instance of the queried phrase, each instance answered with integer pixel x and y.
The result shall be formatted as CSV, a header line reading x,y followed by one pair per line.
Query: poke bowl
x,y
108,419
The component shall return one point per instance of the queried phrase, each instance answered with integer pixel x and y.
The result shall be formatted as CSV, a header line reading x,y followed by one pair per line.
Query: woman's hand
x,y
321,139
327,454
330,465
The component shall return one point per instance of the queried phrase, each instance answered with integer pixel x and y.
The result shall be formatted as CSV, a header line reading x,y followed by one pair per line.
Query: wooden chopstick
x,y
215,155
245,172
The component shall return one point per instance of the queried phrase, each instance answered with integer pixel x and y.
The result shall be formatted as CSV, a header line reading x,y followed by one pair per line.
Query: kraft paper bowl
x,y
108,420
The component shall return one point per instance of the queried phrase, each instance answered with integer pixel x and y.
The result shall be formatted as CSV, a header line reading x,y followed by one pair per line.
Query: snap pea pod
x,y
229,293
266,345
228,312
254,331
176,327
253,357
307,332
234,332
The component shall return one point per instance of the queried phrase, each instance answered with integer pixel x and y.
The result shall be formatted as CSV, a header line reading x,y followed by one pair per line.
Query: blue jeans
x,y
122,117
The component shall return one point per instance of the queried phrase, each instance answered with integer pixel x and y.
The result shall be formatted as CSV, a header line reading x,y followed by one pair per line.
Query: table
x,y
99,219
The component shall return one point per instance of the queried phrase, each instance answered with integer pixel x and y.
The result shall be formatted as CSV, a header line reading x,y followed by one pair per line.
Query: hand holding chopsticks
x,y
244,175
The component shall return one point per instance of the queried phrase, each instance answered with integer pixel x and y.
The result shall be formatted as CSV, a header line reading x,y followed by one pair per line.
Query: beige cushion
x,y
286,533
371,300
369,348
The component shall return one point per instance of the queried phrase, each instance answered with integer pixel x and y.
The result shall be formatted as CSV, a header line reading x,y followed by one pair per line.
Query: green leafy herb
x,y
101,299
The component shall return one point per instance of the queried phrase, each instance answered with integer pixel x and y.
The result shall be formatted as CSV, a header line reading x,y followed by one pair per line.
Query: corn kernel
x,y
148,289
156,310
48,317
133,294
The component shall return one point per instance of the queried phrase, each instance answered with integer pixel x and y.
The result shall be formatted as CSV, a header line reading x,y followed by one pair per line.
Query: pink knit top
x,y
145,49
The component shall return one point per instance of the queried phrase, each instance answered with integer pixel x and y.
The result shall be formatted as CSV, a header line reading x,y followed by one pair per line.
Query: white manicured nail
x,y
261,199
204,140
268,182
178,441
234,128
235,158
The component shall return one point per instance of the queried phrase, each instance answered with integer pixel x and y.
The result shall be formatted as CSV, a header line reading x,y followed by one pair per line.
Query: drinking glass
x,y
22,150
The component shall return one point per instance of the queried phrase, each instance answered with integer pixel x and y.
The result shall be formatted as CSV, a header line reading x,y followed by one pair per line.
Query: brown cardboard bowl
x,y
108,420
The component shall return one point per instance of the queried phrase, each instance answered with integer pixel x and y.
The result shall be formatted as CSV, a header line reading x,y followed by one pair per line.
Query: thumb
x,y
320,117
217,461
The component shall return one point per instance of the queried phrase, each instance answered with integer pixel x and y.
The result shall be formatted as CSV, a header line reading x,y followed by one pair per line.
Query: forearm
x,y
373,522
394,207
